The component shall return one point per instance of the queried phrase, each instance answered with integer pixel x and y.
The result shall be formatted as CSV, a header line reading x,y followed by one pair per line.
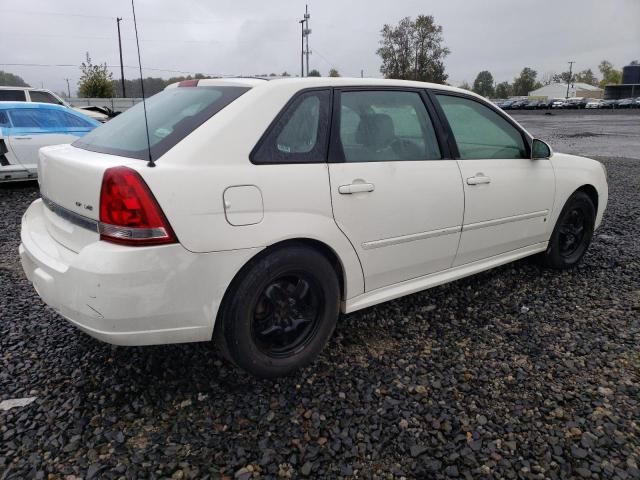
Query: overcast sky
x,y
235,37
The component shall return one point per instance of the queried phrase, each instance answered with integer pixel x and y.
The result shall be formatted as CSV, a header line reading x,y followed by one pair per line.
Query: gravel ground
x,y
514,373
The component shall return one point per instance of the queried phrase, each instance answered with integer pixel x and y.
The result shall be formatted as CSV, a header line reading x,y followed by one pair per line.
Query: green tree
x,y
609,74
95,81
524,83
334,73
548,78
586,76
483,84
465,85
285,74
314,73
503,90
634,62
413,50
563,77
10,80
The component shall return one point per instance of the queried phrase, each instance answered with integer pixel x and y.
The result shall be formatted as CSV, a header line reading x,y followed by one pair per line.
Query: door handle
x,y
356,188
479,179
22,138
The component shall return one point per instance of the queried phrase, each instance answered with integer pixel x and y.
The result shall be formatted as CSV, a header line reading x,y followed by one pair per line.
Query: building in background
x,y
630,87
559,90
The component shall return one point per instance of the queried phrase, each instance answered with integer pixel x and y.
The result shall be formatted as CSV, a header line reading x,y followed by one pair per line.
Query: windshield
x,y
172,115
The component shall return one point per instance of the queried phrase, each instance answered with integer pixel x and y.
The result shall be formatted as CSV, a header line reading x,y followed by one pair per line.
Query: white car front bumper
x,y
128,295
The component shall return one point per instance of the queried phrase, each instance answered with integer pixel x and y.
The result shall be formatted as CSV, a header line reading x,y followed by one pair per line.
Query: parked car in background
x,y
28,94
558,103
255,230
626,103
519,104
535,104
506,104
594,104
575,103
609,103
25,127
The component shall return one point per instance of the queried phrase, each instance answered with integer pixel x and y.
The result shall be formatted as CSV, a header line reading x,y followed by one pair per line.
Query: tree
x,y
562,77
95,81
586,76
285,74
503,90
609,74
526,82
483,84
465,85
634,62
413,50
10,80
314,73
334,73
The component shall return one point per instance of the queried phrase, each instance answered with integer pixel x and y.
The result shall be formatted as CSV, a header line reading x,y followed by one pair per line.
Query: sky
x,y
253,37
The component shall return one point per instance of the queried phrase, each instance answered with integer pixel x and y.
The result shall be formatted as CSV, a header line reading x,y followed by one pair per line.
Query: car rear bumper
x,y
128,295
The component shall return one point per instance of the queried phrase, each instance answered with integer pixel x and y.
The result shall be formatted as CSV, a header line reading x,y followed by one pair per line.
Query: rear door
x,y
508,196
34,128
395,194
10,168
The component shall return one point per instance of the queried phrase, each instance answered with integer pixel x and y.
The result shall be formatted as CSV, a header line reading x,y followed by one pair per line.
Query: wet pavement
x,y
602,133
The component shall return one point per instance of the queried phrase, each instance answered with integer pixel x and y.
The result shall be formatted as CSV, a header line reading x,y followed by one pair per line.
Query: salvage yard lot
x,y
518,372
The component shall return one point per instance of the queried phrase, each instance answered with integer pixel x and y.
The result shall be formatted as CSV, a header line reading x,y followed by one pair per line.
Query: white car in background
x,y
270,207
42,95
594,104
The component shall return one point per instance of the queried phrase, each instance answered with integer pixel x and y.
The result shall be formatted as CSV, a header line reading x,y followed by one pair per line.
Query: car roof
x,y
310,82
46,106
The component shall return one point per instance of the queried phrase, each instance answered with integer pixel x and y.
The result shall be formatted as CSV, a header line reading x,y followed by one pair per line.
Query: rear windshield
x,y
172,115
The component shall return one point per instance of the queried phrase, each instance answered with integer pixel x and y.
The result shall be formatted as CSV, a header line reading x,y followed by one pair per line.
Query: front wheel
x,y
572,234
281,312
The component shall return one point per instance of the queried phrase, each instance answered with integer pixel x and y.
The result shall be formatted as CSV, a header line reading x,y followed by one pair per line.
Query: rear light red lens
x,y
129,213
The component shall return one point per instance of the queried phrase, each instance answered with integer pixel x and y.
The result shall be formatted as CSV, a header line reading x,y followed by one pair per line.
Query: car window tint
x,y
479,131
36,118
12,96
43,97
4,119
301,132
75,121
386,126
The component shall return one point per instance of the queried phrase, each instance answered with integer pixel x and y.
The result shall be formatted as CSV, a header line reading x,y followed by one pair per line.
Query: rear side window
x,y
44,97
479,131
12,96
75,121
386,125
172,114
4,119
300,133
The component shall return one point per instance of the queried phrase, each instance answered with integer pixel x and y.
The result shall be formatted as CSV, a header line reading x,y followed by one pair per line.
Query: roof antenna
x,y
150,163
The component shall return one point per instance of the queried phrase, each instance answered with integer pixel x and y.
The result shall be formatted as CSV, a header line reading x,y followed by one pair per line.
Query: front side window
x,y
36,118
380,126
172,114
4,120
479,131
44,97
301,132
12,96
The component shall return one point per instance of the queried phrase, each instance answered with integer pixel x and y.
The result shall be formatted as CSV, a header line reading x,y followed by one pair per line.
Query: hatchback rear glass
x,y
172,115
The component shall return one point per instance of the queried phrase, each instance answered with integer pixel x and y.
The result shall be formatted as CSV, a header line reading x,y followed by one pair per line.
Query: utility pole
x,y
68,89
124,93
307,32
569,79
301,22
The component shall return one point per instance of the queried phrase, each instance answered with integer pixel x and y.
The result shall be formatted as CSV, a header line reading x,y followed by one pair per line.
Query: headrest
x,y
375,130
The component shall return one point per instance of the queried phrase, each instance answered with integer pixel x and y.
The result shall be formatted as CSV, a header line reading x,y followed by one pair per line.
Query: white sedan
x,y
270,207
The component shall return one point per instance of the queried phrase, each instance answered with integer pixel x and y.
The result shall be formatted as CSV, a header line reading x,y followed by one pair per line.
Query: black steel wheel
x,y
280,311
572,234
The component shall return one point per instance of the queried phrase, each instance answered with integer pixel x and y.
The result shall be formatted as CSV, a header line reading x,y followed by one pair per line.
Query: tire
x,y
281,312
572,233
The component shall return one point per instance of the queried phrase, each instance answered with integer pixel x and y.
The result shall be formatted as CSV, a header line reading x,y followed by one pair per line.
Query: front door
x,y
508,196
394,196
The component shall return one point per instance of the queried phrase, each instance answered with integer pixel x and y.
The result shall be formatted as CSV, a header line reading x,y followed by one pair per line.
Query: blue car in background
x,y
25,127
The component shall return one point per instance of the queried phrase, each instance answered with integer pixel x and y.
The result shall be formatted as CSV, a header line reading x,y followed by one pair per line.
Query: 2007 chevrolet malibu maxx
x,y
274,206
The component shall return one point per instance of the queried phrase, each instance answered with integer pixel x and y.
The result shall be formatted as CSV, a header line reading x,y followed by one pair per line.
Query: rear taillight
x,y
129,213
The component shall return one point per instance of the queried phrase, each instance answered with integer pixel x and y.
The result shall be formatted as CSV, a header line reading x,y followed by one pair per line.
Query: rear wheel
x,y
281,312
572,234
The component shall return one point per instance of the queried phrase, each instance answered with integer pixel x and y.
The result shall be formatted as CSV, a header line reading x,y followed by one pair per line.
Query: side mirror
x,y
540,150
